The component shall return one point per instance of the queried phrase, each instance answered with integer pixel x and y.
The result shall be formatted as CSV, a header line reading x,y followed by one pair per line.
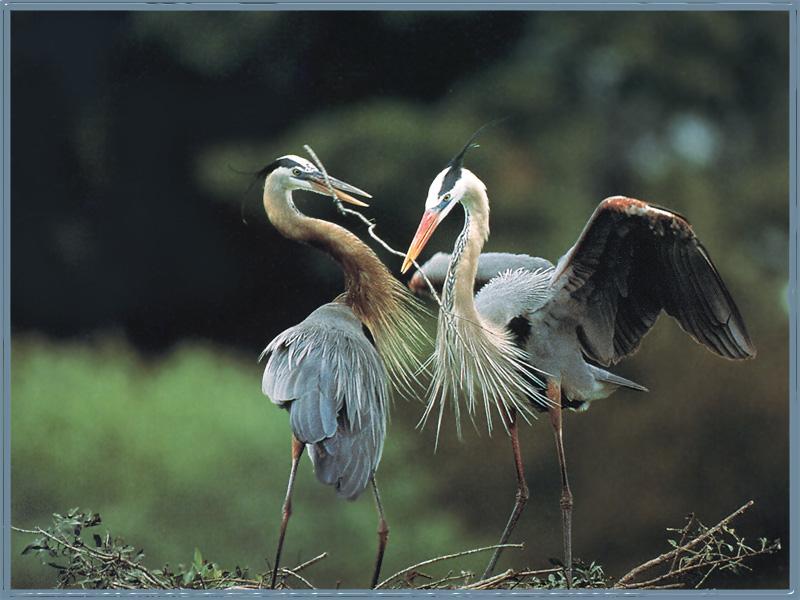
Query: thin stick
x,y
310,562
490,581
441,558
445,579
668,555
96,553
538,572
684,533
371,224
300,577
706,576
494,581
684,570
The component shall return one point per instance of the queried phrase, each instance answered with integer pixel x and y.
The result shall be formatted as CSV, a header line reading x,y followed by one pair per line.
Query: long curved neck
x,y
365,275
457,295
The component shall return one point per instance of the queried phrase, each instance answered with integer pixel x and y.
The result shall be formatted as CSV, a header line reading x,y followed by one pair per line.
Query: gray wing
x,y
514,295
331,379
348,459
490,264
631,261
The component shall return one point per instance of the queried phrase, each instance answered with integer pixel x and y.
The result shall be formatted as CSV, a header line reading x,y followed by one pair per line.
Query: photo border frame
x,y
792,8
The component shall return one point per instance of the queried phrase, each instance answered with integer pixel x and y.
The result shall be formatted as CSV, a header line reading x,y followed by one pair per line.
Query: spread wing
x,y
631,261
328,375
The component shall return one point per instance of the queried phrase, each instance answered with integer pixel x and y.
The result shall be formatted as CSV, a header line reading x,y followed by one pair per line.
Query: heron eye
x,y
296,172
446,197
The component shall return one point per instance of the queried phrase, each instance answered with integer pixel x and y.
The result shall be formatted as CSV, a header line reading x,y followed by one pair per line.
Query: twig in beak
x,y
368,222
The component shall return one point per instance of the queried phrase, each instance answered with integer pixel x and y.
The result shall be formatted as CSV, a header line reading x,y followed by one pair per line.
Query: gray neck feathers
x,y
459,284
448,295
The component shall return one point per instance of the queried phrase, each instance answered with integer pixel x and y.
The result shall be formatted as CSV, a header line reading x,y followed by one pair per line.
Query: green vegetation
x,y
185,452
110,563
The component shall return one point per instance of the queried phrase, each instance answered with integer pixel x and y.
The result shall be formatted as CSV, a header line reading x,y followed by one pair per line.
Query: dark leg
x,y
297,452
554,393
383,534
522,492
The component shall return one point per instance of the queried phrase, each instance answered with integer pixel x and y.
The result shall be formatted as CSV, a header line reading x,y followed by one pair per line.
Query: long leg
x,y
383,534
522,492
297,452
554,393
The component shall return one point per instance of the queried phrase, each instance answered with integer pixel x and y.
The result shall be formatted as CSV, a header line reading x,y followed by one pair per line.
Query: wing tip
x,y
749,352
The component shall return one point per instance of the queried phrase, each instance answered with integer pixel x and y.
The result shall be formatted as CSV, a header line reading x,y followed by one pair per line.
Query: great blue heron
x,y
592,309
333,371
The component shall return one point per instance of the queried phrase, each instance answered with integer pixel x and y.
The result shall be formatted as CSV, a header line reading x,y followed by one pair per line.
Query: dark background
x,y
141,298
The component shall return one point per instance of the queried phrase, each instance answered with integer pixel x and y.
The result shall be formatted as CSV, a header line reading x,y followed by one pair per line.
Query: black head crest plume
x,y
458,160
257,177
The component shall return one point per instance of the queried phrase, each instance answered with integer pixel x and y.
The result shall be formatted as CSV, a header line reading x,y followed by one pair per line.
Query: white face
x,y
451,186
443,200
297,173
294,175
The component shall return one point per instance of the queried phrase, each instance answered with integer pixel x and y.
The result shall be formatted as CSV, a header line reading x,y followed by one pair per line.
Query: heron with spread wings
x,y
538,336
334,372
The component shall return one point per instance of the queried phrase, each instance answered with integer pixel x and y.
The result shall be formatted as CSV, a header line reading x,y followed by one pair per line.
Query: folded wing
x,y
329,376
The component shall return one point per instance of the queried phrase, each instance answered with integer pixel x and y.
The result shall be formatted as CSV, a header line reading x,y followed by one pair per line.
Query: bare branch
x,y
625,579
445,557
300,577
712,564
485,584
310,562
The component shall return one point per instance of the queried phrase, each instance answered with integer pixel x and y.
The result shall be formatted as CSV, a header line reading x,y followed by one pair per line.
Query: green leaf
x,y
32,547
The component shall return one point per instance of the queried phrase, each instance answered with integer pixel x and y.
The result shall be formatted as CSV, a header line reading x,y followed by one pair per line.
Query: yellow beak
x,y
430,221
342,195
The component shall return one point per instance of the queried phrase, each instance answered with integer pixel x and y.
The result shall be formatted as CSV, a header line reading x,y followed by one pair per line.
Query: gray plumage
x,y
631,261
332,372
546,331
490,265
332,381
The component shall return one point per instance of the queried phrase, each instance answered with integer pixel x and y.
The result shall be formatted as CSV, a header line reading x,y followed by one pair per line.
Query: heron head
x,y
452,185
293,172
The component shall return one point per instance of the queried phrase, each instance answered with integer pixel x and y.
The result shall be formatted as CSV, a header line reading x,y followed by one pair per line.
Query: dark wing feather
x,y
331,379
631,261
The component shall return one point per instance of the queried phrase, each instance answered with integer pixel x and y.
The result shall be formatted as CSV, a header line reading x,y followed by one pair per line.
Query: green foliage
x,y
699,551
110,563
184,452
104,563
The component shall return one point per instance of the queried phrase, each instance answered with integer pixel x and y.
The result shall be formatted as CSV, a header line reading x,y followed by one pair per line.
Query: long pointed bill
x,y
430,221
319,185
